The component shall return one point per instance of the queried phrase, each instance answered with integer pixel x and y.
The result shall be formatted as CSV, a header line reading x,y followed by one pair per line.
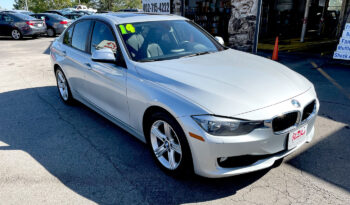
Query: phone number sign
x,y
156,6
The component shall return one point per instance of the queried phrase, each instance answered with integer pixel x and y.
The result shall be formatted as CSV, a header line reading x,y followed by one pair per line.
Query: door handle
x,y
89,66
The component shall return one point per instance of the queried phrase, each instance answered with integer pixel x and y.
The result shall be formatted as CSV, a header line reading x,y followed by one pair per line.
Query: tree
x,y
42,5
115,5
19,4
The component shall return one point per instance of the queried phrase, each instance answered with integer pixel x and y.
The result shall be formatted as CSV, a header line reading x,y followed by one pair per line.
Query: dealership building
x,y
254,24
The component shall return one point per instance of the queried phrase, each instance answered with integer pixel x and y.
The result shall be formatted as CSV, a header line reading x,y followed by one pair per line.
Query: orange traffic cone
x,y
275,50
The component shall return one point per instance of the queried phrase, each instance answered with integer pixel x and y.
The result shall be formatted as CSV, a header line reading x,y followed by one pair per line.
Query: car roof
x,y
131,17
47,14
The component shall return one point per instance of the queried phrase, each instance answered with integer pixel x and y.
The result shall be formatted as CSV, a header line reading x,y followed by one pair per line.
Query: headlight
x,y
222,126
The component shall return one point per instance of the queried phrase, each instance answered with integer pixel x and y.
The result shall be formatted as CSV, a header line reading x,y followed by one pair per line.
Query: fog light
x,y
221,159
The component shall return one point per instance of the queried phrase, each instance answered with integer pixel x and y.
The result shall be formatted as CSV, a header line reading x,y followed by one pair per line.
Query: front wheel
x,y
63,87
168,144
16,34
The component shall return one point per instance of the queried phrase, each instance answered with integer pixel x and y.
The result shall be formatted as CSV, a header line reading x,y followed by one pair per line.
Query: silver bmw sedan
x,y
197,104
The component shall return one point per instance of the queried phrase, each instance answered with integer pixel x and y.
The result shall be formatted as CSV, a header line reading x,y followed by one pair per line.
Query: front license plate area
x,y
297,137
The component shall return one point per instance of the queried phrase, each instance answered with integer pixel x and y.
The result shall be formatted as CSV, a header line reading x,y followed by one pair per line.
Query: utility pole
x,y
324,10
306,16
26,4
257,27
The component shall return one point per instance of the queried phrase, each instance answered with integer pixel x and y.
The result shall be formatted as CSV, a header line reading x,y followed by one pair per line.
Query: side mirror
x,y
220,40
104,55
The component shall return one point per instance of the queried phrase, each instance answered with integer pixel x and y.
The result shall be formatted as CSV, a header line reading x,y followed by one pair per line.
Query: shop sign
x,y
242,24
156,6
343,48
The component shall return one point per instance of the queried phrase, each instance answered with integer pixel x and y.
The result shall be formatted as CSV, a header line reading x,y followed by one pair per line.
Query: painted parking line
x,y
340,88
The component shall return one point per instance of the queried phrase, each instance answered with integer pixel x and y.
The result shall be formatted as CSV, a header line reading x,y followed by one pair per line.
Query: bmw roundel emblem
x,y
296,103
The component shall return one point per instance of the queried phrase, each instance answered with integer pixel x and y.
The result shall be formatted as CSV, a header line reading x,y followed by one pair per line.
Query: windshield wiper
x,y
196,54
146,60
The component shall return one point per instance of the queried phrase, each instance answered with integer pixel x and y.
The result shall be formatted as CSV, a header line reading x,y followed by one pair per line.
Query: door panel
x,y
106,82
6,25
106,88
76,56
75,64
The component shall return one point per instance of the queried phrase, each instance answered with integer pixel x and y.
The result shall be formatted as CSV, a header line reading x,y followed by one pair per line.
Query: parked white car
x,y
197,104
85,8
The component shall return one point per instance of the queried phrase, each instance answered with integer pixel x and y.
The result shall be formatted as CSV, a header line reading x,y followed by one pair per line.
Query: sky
x,y
6,4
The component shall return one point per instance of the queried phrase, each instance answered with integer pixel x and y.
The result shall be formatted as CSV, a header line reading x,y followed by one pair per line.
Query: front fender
x,y
143,94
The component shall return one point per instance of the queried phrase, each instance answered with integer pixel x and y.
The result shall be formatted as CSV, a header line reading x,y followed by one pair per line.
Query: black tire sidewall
x,y
185,167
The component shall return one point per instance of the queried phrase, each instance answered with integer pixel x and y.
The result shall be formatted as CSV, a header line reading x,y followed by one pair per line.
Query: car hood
x,y
227,83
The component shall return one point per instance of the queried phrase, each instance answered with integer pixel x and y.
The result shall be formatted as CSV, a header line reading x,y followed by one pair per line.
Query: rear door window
x,y
80,35
8,18
102,37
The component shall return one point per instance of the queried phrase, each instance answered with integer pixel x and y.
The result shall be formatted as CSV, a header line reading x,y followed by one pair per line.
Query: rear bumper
x,y
34,31
59,28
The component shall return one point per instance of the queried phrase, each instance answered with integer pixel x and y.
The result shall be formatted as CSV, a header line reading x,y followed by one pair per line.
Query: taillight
x,y
30,23
63,22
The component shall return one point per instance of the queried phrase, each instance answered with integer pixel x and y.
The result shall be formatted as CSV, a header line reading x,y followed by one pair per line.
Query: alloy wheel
x,y
166,144
62,85
16,34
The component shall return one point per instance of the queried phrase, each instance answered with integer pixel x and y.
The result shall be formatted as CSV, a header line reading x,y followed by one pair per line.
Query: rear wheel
x,y
51,32
168,144
63,87
16,34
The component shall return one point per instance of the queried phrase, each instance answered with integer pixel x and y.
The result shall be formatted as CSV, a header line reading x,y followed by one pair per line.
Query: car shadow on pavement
x,y
47,51
95,158
328,159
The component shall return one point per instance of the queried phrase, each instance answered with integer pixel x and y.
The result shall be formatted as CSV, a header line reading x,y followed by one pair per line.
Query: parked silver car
x,y
54,22
197,104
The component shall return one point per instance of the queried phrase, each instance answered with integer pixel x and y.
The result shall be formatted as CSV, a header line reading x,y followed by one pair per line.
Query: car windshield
x,y
163,40
56,16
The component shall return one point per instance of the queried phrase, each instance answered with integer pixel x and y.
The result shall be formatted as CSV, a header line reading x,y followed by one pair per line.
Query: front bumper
x,y
260,142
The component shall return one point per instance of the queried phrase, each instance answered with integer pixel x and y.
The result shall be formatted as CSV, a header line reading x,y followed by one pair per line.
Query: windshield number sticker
x,y
128,28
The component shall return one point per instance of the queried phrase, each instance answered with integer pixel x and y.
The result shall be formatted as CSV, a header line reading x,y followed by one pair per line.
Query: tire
x,y
51,32
173,152
63,87
16,34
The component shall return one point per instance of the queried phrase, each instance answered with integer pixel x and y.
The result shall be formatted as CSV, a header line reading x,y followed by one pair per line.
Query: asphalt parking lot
x,y
51,153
